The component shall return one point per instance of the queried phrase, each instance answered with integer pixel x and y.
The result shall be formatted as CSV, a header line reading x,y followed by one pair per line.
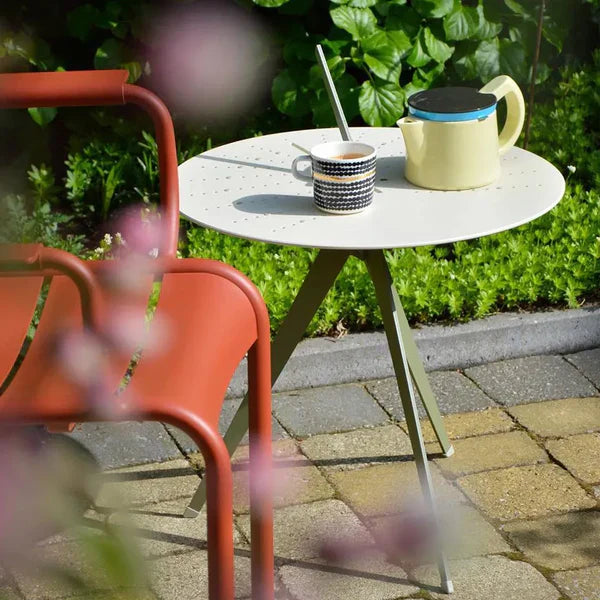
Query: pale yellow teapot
x,y
451,134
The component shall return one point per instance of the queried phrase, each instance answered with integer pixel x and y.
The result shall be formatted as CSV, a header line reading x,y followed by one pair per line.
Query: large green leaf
x,y
109,55
512,60
464,60
347,89
436,48
462,23
403,18
296,7
383,6
431,73
486,29
300,48
289,97
520,10
270,3
42,116
81,20
418,57
487,59
554,33
383,52
336,66
360,23
356,3
433,9
112,54
381,104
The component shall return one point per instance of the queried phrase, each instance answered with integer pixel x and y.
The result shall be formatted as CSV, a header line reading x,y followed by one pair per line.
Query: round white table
x,y
246,189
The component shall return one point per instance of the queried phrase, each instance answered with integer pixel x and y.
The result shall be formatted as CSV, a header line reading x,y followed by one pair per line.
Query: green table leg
x,y
318,282
387,299
420,378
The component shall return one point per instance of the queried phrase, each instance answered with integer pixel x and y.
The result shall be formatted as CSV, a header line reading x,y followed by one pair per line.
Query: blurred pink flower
x,y
210,60
407,538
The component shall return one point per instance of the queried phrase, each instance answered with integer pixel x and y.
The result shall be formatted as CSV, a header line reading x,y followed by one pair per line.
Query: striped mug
x,y
343,176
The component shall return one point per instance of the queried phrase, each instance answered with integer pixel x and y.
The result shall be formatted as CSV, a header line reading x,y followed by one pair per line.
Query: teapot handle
x,y
502,86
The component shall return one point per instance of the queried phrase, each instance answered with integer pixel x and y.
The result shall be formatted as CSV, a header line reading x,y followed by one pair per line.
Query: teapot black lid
x,y
451,100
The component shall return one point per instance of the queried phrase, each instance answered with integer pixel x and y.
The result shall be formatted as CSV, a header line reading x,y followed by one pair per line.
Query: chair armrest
x,y
62,88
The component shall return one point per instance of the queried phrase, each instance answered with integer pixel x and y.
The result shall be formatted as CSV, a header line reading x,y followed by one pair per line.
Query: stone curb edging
x,y
364,356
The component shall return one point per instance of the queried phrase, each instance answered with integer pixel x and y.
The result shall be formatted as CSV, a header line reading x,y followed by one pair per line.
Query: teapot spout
x,y
412,131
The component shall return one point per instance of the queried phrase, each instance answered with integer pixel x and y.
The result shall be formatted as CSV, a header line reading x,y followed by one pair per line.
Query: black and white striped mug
x,y
343,176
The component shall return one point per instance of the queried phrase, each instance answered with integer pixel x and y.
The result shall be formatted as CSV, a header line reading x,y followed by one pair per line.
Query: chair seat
x,y
203,326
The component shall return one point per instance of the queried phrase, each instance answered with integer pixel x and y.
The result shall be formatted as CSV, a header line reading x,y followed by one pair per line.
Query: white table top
x,y
246,189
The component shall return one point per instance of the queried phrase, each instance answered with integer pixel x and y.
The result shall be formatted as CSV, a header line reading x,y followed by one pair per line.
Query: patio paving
x,y
517,498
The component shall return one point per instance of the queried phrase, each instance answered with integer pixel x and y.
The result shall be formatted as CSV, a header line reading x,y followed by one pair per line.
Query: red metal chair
x,y
215,316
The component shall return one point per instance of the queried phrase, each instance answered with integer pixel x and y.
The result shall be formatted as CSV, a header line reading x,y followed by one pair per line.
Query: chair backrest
x,y
19,292
92,88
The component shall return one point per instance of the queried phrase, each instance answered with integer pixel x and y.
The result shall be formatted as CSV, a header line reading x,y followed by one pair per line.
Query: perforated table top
x,y
246,189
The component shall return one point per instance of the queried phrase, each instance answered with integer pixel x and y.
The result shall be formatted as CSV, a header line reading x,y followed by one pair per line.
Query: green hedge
x,y
552,261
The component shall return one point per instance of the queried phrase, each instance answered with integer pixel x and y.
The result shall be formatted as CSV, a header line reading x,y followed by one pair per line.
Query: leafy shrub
x,y
381,51
36,219
567,131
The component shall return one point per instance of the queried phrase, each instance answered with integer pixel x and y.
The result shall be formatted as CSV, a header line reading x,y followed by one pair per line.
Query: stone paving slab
x,y
369,578
388,489
583,584
490,578
525,492
38,583
487,452
296,480
7,589
568,541
227,412
357,448
453,391
148,484
116,594
588,362
579,454
185,576
531,379
466,532
559,418
300,530
327,410
464,425
123,444
160,529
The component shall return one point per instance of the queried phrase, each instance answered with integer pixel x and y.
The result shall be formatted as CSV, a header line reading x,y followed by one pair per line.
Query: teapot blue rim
x,y
465,116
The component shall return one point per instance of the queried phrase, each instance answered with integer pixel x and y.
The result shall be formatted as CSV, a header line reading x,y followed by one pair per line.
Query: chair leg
x,y
219,506
261,475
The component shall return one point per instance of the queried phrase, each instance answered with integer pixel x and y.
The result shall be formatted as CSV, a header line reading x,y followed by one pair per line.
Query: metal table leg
x,y
387,299
420,378
318,282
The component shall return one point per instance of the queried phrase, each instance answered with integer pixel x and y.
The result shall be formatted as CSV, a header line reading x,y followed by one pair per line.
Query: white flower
x,y
572,168
153,253
108,238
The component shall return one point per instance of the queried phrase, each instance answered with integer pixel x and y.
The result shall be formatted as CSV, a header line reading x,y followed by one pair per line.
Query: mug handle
x,y
502,86
296,173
